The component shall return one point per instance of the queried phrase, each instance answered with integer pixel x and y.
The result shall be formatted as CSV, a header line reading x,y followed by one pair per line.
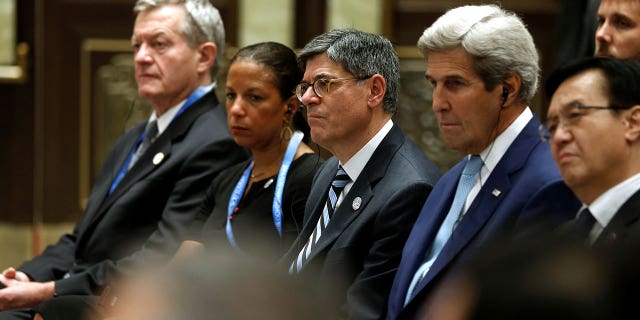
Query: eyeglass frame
x,y
545,133
299,92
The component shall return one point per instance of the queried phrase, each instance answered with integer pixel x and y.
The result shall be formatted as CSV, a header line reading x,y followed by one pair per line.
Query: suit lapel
x,y
427,226
626,216
162,145
486,202
119,159
362,188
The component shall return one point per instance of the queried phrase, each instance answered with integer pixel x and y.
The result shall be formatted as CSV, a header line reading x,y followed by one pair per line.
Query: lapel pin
x,y
496,192
356,203
158,158
268,183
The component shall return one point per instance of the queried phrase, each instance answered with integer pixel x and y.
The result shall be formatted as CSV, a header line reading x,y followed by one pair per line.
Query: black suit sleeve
x,y
186,196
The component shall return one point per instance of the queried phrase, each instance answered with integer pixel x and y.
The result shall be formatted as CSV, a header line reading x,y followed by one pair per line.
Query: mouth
x,y
313,115
147,76
565,158
236,129
448,125
603,55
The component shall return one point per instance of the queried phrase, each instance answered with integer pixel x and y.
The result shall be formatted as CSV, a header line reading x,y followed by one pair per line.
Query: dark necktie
x,y
584,223
151,131
337,185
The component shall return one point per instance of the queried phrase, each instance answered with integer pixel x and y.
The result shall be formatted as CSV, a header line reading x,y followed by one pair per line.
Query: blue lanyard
x,y
276,207
195,96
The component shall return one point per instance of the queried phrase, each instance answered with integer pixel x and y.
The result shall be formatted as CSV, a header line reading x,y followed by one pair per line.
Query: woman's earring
x,y
286,132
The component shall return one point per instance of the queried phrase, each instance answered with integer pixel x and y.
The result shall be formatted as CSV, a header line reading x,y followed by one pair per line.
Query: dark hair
x,y
362,54
622,78
282,61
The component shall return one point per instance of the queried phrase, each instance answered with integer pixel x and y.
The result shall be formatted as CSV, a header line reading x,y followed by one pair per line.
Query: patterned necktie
x,y
465,184
337,185
151,131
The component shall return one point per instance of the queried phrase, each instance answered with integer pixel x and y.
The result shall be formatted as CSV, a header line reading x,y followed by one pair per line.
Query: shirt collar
x,y
492,154
354,166
165,119
608,203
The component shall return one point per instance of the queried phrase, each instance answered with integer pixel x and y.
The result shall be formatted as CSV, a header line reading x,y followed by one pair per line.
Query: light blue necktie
x,y
337,185
465,184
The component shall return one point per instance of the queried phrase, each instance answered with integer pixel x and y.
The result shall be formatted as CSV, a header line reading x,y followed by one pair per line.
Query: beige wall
x,y
16,241
266,20
365,15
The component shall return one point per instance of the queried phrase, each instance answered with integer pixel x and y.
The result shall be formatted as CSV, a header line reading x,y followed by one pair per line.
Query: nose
x,y
561,135
439,102
236,107
142,54
309,97
603,34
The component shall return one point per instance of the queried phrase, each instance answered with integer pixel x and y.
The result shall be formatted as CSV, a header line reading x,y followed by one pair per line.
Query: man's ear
x,y
208,52
378,89
510,89
632,120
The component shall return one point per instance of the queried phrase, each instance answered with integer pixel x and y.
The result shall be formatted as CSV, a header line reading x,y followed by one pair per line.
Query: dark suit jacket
x,y
356,257
623,229
625,226
524,188
147,215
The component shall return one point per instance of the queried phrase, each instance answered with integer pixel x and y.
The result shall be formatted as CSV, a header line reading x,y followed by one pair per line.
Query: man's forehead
x,y
449,64
622,8
321,66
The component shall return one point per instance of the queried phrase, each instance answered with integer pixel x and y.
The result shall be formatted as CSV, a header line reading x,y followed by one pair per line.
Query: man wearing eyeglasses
x,y
593,127
483,66
364,199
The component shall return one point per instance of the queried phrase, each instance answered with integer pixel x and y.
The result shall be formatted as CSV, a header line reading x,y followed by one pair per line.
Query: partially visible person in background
x,y
260,203
618,33
146,196
217,286
576,25
535,278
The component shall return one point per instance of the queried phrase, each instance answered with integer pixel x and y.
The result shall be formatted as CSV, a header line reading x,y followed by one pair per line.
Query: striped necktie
x,y
337,185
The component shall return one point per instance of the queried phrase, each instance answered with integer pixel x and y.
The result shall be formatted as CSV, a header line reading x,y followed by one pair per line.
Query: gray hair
x,y
203,22
361,54
497,40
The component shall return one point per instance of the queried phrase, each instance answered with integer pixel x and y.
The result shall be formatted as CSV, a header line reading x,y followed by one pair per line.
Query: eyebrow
x,y
153,35
447,77
322,75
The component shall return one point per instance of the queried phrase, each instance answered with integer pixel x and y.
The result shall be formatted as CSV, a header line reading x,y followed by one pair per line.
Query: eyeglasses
x,y
322,86
569,117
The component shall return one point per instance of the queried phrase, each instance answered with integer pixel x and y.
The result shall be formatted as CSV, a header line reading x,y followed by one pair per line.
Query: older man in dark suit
x,y
364,200
593,125
147,193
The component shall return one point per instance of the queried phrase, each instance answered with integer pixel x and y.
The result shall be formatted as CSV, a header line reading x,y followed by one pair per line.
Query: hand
x,y
12,273
24,294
